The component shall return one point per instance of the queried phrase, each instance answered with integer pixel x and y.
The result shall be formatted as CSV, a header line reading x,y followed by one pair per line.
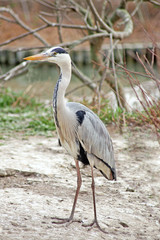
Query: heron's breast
x,y
67,135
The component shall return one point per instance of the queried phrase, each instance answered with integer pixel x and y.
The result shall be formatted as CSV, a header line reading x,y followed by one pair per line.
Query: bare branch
x,y
114,72
138,3
137,73
80,86
56,8
46,4
83,12
59,20
122,13
73,44
24,35
155,2
48,24
7,19
86,80
82,27
22,24
47,14
16,71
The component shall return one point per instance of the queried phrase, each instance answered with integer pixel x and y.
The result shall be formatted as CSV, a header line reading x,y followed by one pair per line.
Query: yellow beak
x,y
36,57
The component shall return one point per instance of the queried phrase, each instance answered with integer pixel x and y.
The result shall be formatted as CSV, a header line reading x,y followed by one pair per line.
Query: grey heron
x,y
79,129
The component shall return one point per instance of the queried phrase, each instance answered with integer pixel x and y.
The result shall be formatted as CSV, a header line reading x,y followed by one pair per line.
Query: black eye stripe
x,y
58,50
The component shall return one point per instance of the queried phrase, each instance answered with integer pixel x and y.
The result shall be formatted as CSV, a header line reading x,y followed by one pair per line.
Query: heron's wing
x,y
96,141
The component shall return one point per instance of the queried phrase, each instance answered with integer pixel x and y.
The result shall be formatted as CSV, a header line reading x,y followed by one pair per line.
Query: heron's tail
x,y
112,174
107,171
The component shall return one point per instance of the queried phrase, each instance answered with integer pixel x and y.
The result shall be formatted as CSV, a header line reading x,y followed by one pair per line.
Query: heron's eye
x,y
54,53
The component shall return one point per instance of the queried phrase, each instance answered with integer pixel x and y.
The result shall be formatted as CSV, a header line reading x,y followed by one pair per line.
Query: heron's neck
x,y
61,86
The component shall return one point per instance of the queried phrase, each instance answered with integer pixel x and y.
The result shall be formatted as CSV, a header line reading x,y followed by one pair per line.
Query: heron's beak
x,y
37,57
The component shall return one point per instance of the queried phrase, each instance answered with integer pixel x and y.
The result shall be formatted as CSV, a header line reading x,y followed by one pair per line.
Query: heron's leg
x,y
79,183
94,198
95,221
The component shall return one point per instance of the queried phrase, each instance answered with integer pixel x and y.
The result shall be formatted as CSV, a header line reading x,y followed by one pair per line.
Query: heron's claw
x,y
67,221
94,223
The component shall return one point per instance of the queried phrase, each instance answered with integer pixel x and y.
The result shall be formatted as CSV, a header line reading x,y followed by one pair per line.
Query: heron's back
x,y
94,139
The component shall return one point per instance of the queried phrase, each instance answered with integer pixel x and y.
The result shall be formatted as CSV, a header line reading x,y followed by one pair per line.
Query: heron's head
x,y
55,55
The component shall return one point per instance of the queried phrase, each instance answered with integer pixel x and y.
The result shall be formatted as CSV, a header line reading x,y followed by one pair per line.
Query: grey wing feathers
x,y
96,141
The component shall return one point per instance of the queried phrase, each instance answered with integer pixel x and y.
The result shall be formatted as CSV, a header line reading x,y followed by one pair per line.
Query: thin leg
x,y
95,221
79,183
93,193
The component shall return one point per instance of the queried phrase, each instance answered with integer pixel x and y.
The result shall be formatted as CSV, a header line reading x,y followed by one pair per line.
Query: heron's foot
x,y
96,224
67,221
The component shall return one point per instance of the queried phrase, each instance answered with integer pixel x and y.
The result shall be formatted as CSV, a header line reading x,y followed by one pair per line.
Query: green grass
x,y
19,113
120,117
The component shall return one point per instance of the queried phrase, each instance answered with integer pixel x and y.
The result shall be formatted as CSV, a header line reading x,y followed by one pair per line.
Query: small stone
x,y
124,224
129,190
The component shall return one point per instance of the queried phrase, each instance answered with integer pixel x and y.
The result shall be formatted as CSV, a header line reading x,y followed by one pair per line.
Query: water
x,y
41,79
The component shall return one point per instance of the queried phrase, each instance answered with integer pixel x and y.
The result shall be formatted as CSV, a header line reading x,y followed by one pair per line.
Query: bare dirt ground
x,y
38,181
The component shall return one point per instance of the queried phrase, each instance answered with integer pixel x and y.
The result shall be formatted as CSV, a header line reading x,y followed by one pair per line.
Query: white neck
x,y
64,117
61,86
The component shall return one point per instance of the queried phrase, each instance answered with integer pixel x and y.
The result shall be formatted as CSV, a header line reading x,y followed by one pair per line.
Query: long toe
x,y
57,220
94,223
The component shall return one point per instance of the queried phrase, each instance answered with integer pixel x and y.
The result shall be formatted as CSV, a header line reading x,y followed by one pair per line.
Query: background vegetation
x,y
78,25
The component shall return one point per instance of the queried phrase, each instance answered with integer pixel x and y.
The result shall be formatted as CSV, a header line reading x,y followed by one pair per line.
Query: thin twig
x,y
24,35
73,44
59,21
81,86
16,71
153,56
103,11
151,72
137,4
86,80
22,24
137,73
46,4
143,105
114,72
7,19
52,24
121,13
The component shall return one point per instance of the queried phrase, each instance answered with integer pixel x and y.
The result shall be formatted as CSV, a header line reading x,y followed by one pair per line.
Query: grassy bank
x,y
20,113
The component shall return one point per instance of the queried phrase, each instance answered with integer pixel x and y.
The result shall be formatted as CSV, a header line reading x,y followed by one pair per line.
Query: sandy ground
x,y
38,181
